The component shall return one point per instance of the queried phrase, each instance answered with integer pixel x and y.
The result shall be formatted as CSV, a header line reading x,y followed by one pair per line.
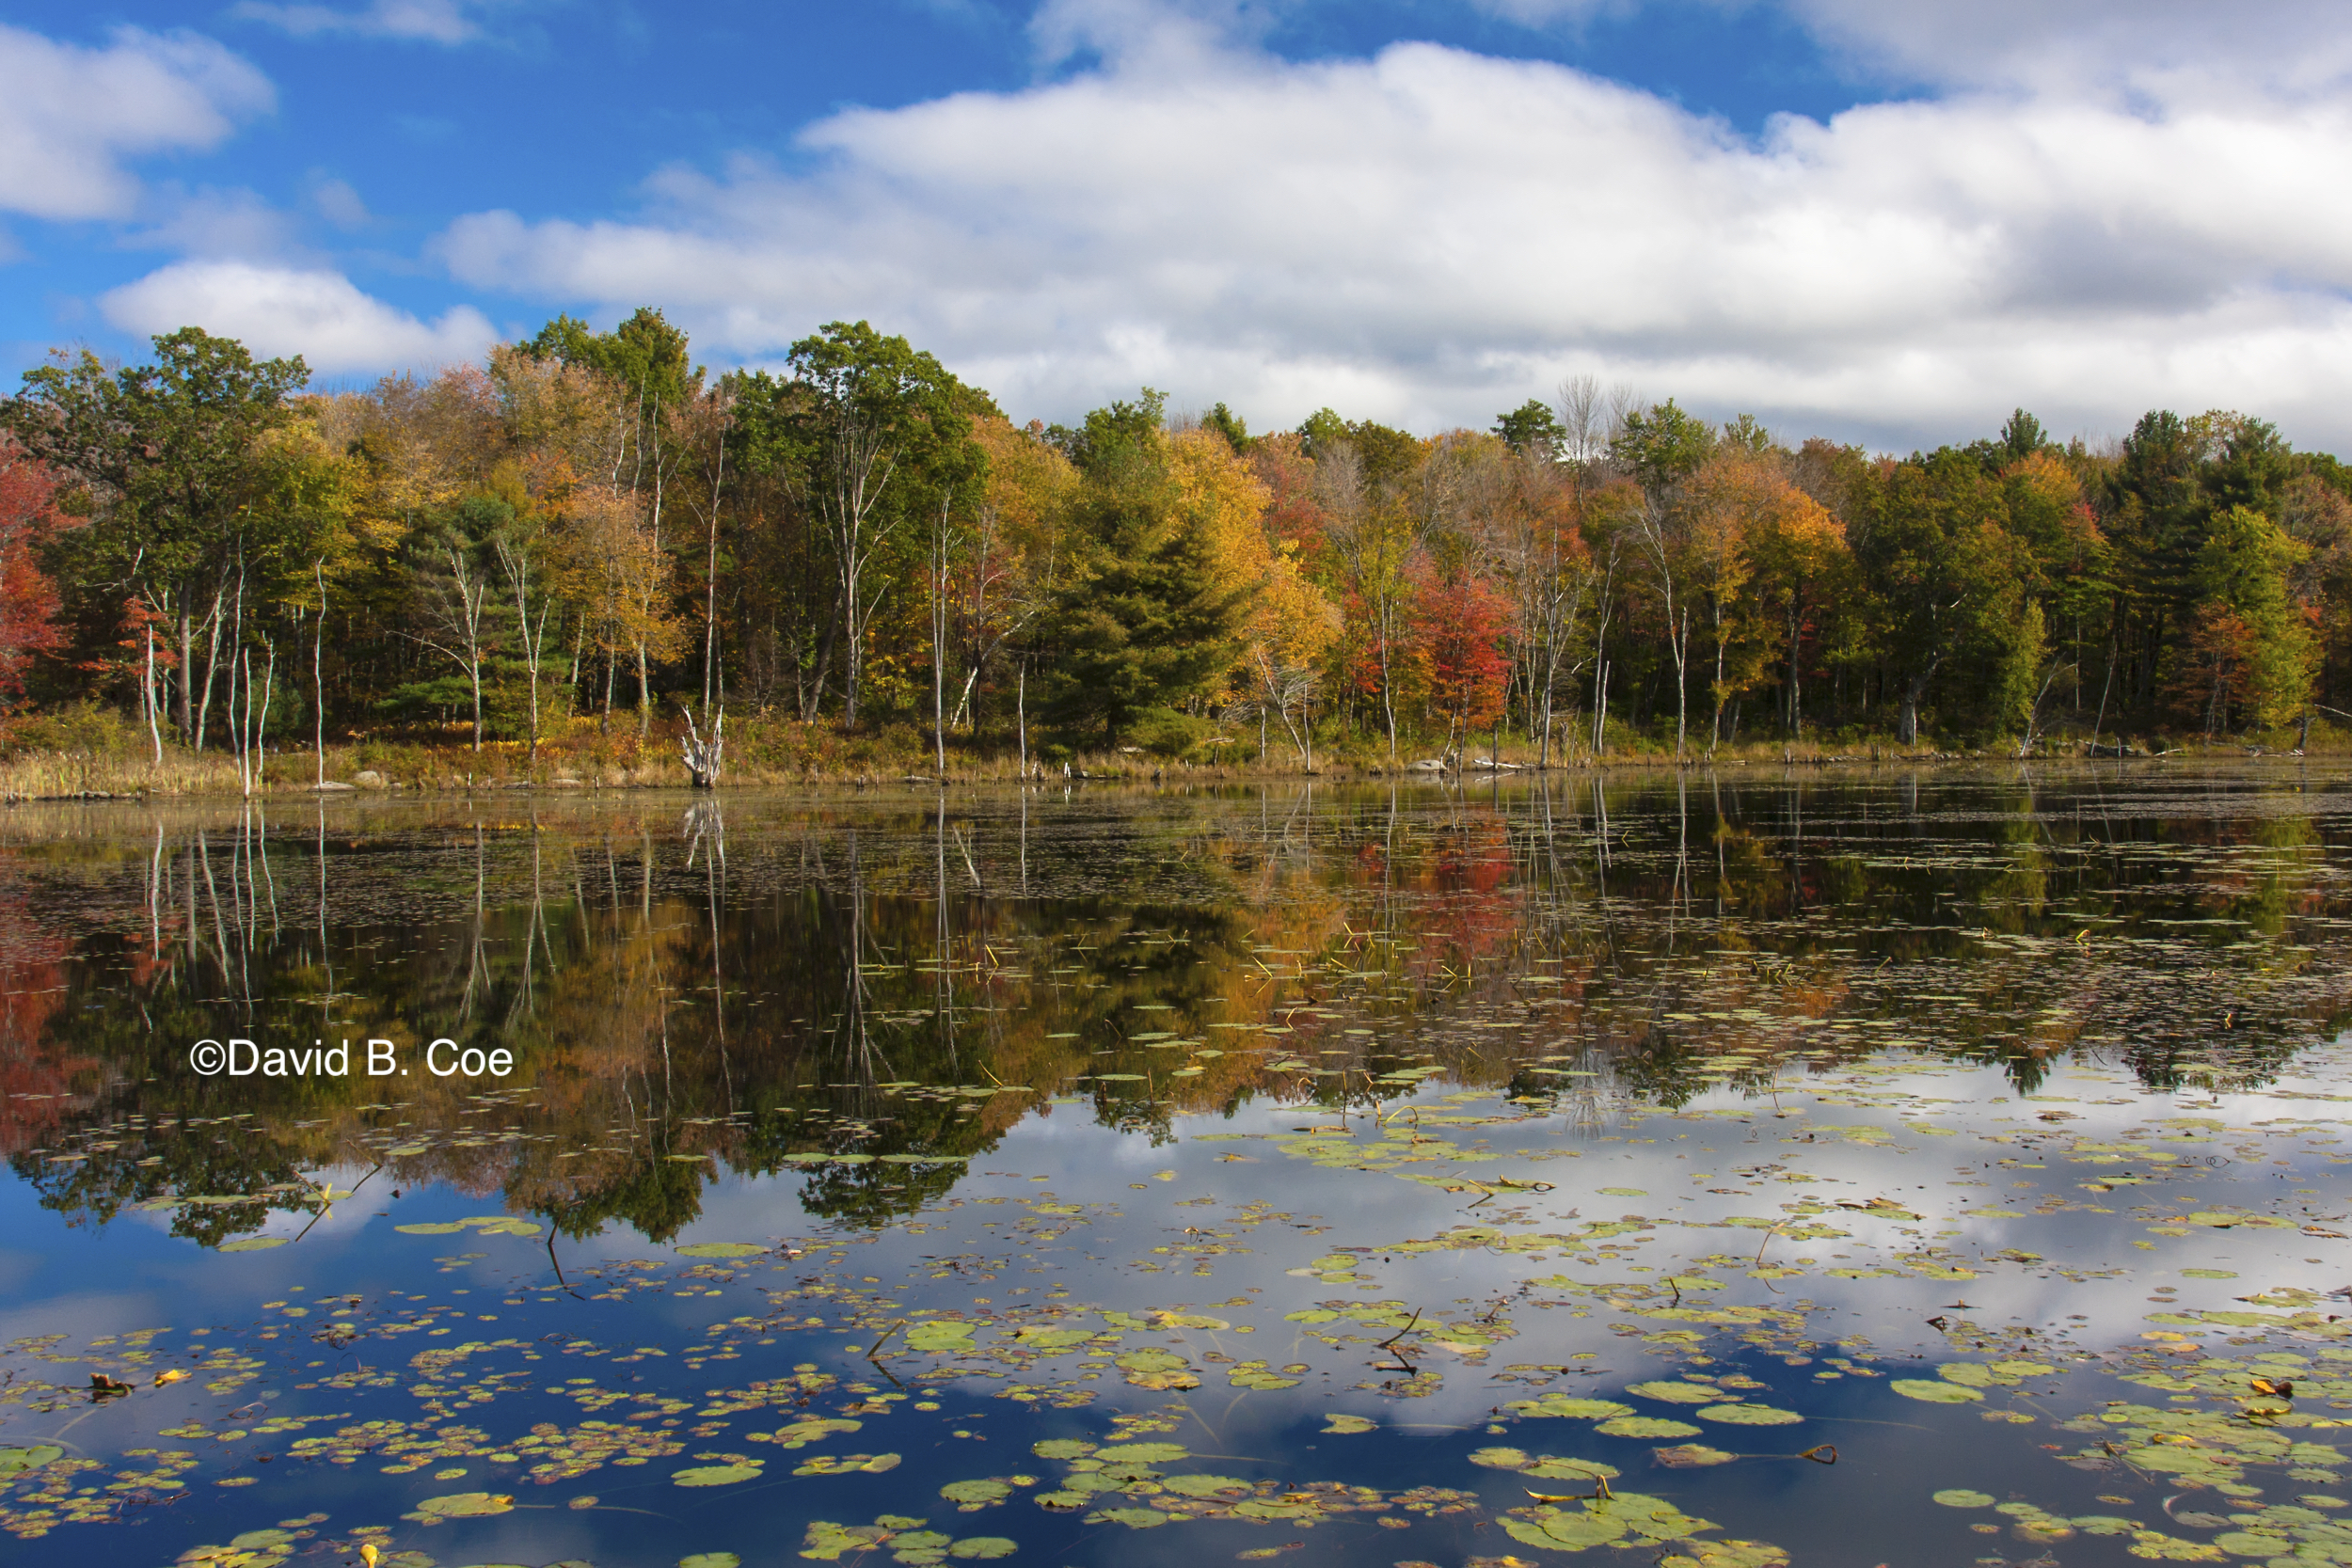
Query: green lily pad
x,y
1645,1426
254,1244
1134,1518
983,1548
848,1464
1204,1486
1677,1393
1935,1392
15,1461
940,1335
1749,1416
716,1475
711,1560
1961,1496
972,1495
1549,1468
1575,1409
1690,1456
1568,1532
1143,1453
1348,1425
721,1249
467,1505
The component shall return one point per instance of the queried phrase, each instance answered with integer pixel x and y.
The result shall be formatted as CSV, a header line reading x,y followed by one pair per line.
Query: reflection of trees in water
x,y
760,979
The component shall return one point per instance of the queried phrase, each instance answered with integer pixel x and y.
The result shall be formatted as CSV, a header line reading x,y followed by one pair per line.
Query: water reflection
x,y
872,991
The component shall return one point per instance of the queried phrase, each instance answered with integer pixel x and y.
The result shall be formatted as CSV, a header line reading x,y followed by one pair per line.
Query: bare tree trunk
x,y
154,730
710,581
939,640
318,678
644,692
1388,690
260,723
212,660
187,663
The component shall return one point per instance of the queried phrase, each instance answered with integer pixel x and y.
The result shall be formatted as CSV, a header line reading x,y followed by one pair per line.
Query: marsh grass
x,y
92,751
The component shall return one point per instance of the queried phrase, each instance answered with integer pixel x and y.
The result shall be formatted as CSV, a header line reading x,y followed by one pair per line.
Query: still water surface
x,y
1722,1171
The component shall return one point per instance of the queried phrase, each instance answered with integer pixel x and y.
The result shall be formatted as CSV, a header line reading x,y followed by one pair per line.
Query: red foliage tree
x,y
28,599
1458,631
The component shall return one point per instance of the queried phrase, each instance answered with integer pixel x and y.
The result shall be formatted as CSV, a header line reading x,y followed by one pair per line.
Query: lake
x,y
1842,1166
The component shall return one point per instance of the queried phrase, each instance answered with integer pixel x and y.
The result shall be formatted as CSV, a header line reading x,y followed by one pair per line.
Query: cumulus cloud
x,y
209,222
2174,44
71,115
424,21
2117,42
339,205
278,310
1430,235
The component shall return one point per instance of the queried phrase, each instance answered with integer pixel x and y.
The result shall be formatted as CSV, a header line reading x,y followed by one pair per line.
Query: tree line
x,y
589,532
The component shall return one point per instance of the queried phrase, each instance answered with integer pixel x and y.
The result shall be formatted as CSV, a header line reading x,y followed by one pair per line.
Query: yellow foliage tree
x,y
1288,623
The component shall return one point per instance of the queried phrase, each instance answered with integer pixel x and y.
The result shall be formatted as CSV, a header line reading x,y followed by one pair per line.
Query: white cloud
x,y
70,115
2288,44
2294,44
1431,235
210,222
277,311
424,21
339,205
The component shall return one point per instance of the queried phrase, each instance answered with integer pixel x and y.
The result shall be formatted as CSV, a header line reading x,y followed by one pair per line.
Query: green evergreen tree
x,y
1143,628
2242,570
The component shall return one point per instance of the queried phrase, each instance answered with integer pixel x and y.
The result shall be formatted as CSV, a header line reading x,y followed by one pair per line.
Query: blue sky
x,y
1882,221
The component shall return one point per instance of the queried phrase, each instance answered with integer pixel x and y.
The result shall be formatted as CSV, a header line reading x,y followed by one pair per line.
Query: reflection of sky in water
x,y
1799,1232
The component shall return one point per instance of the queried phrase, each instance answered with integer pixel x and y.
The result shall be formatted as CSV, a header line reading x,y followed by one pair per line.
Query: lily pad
x,y
1502,1459
1677,1393
467,1505
1961,1496
1143,1453
721,1249
254,1244
1690,1456
1749,1416
15,1461
1645,1426
1933,1392
983,1548
1205,1486
716,1475
940,1334
1575,1409
1727,1554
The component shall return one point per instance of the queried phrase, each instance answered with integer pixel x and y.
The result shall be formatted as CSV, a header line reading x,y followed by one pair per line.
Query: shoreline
x,y
125,788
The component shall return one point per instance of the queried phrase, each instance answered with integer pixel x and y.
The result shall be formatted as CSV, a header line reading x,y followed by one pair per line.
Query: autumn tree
x,y
1661,446
30,606
169,457
870,411
1141,626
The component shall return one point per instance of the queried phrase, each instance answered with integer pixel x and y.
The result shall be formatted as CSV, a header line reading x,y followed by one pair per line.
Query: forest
x,y
568,554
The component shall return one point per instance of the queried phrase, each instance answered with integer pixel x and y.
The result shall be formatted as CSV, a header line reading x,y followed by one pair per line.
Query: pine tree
x,y
1144,627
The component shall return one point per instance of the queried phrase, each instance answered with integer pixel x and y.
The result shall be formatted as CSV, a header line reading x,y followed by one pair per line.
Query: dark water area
x,y
1715,1171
